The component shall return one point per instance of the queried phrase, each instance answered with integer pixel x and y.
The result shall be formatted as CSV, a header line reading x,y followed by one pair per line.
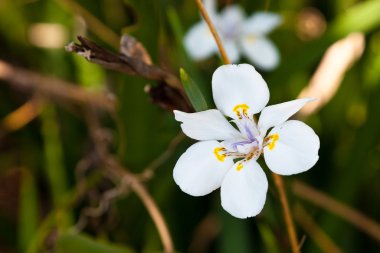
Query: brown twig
x,y
278,180
169,94
22,115
343,211
286,212
119,172
149,170
121,63
212,28
54,88
314,231
155,213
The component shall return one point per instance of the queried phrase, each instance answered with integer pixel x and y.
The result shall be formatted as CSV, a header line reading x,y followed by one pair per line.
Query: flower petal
x,y
198,171
260,51
275,115
231,20
206,125
234,85
232,50
199,42
261,23
294,150
243,191
210,6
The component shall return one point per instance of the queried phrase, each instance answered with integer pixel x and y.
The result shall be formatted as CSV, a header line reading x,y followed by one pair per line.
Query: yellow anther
x,y
273,138
218,156
243,107
239,166
250,38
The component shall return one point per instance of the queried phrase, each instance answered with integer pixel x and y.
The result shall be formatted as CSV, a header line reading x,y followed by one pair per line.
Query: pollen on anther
x,y
239,166
243,107
219,156
273,140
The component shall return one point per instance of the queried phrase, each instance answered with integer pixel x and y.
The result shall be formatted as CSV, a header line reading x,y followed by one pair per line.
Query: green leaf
x,y
54,161
361,17
28,213
269,239
193,92
79,243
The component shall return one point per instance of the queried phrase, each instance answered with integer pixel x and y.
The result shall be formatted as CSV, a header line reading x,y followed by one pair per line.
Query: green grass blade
x,y
193,92
77,243
28,212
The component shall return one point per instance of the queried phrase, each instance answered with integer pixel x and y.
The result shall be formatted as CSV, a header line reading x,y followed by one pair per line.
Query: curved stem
x,y
155,213
345,212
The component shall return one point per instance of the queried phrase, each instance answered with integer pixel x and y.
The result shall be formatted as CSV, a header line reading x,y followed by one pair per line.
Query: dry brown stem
x,y
169,94
314,231
149,170
21,116
154,212
121,174
53,88
286,212
345,212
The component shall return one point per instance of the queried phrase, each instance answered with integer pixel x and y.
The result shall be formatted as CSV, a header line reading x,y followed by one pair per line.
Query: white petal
x,y
229,26
232,51
199,42
234,85
243,191
260,51
261,23
210,6
206,125
198,171
275,115
231,20
295,151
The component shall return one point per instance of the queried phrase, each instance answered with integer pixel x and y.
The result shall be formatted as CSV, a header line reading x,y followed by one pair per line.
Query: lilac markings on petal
x,y
235,144
249,133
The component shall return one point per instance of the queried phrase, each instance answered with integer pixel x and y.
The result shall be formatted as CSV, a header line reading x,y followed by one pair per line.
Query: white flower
x,y
226,156
239,35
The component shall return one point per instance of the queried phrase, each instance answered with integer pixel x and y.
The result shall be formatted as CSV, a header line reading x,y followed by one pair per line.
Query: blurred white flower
x,y
226,156
240,35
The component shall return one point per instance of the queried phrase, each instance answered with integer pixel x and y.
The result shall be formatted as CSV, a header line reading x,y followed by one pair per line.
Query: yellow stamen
x,y
244,108
218,156
273,138
250,38
239,166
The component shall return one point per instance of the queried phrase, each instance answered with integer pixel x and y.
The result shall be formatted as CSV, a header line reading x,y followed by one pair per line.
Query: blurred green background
x,y
40,163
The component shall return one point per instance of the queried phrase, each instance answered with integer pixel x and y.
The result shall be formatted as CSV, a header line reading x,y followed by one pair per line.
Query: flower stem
x,y
286,212
211,26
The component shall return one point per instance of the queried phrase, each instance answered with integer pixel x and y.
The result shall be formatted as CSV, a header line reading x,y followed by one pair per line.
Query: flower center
x,y
229,29
251,144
